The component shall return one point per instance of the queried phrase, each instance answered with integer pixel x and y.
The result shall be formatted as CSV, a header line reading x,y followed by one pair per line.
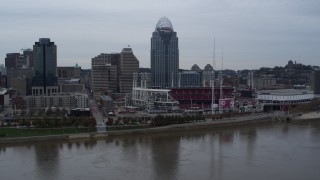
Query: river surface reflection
x,y
278,151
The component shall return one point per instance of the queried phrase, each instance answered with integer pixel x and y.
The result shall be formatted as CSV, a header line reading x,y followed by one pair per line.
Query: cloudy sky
x,y
252,33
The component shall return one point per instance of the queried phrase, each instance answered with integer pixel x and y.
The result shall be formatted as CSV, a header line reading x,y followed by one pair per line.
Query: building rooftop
x,y
284,92
208,67
190,72
164,23
3,91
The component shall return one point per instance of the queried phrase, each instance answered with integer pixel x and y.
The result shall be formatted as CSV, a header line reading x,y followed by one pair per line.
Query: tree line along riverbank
x,y
207,124
58,125
28,127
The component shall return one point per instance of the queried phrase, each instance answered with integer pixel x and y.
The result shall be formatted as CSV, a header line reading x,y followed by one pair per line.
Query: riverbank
x,y
308,116
23,131
226,122
254,119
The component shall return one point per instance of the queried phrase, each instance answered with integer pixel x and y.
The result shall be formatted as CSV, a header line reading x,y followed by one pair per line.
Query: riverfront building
x,y
164,55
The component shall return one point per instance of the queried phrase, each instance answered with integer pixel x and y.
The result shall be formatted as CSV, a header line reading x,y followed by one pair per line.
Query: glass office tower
x,y
45,64
164,55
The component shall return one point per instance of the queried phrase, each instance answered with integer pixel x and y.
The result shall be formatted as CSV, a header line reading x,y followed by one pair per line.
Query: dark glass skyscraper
x,y
45,64
164,55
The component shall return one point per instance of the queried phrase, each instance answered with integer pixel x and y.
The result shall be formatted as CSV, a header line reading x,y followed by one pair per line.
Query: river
x,y
275,151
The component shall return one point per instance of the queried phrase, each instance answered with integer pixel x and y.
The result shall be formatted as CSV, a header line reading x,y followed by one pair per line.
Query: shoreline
x,y
207,124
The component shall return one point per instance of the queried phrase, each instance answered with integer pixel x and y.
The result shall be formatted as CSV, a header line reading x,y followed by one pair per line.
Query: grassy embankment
x,y
28,132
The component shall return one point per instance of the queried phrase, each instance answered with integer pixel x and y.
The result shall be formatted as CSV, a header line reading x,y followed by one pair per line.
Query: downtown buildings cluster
x,y
33,79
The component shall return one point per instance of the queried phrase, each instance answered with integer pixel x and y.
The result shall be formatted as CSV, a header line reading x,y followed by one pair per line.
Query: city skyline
x,y
253,34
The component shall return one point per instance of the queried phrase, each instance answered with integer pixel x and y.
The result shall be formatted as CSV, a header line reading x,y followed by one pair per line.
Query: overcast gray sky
x,y
252,33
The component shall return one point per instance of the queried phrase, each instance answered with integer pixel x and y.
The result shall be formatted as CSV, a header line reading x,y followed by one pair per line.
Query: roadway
x,y
101,127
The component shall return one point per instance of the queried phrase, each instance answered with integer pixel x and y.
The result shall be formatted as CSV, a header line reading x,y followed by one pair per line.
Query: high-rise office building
x,y
113,72
44,81
164,55
23,73
29,53
104,74
18,71
16,61
69,72
69,79
129,64
10,60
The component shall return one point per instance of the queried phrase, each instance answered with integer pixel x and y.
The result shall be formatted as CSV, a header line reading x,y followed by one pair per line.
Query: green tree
x,y
49,112
85,122
41,112
64,111
23,112
32,111
27,123
58,112
21,122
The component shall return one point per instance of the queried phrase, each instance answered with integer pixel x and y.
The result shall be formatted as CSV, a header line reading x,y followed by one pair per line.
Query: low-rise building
x,y
82,100
264,82
106,103
59,100
189,79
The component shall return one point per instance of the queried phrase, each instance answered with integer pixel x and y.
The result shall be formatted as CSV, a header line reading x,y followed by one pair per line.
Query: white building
x,y
82,100
285,96
59,100
4,98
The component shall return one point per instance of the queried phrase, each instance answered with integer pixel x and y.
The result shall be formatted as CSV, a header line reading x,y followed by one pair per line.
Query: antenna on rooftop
x,y
222,60
214,52
221,82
